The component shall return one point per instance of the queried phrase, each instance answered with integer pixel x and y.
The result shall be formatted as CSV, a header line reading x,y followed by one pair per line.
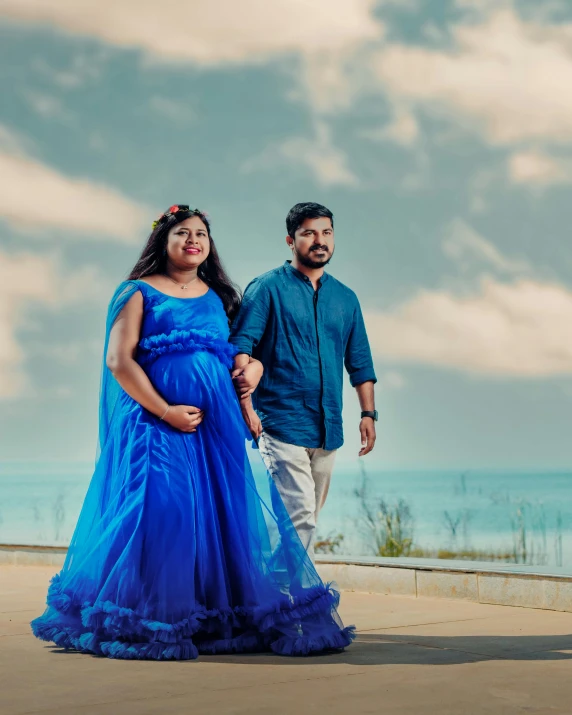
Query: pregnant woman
x,y
180,549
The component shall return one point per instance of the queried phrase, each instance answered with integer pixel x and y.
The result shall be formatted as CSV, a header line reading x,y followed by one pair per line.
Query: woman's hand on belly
x,y
184,417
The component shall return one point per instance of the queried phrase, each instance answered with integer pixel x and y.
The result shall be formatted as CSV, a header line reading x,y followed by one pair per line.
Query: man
x,y
303,325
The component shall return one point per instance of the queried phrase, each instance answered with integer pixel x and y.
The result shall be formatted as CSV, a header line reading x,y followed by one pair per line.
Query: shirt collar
x,y
288,265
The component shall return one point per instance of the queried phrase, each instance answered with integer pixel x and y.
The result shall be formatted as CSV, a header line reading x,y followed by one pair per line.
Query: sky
x,y
439,133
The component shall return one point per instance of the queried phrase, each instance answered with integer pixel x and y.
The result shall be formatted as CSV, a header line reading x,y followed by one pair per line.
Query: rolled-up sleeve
x,y
358,359
250,323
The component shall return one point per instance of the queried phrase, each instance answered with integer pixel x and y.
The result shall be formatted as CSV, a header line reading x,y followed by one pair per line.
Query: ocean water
x,y
491,511
452,509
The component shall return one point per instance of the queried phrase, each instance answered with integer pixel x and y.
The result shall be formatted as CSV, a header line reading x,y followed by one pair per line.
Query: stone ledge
x,y
535,592
450,566
387,581
19,555
439,584
485,584
505,589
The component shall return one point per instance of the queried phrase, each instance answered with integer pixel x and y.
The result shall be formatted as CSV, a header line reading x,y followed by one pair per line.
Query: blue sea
x,y
492,510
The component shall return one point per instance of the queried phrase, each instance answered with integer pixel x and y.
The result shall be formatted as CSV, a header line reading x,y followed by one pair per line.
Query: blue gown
x,y
182,547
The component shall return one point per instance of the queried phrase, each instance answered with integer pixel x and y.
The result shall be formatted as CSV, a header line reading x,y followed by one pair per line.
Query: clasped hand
x,y
184,417
246,378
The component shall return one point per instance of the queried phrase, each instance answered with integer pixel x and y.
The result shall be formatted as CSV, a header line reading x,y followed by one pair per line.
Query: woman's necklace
x,y
182,286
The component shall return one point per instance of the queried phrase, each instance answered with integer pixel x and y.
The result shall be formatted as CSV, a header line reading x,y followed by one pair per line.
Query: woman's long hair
x,y
153,259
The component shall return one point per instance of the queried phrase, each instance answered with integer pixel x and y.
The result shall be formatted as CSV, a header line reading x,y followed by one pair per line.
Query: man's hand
x,y
367,431
252,421
246,378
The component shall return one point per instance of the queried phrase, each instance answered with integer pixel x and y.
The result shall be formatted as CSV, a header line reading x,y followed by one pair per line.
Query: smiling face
x,y
313,242
188,244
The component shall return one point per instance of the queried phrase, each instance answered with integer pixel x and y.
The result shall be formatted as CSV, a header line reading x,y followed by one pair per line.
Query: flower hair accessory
x,y
174,209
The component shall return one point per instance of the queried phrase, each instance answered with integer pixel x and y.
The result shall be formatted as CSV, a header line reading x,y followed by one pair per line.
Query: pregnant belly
x,y
190,379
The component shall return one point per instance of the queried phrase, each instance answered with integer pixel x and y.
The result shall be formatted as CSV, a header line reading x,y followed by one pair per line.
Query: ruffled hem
x,y
307,645
187,341
107,629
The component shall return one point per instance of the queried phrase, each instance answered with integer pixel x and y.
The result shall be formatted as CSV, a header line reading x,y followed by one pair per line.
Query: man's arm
x,y
359,364
250,323
366,398
246,333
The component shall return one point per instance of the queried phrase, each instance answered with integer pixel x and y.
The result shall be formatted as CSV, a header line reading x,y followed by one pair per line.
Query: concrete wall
x,y
506,589
32,555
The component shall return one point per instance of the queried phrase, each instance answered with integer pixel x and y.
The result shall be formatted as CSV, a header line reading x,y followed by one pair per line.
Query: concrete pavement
x,y
412,656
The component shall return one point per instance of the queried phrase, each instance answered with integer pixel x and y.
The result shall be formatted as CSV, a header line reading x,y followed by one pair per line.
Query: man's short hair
x,y
300,212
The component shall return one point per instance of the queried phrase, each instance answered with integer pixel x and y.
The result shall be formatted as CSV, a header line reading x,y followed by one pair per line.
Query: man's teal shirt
x,y
303,338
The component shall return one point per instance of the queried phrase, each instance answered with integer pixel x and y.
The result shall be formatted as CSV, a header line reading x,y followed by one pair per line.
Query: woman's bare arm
x,y
120,359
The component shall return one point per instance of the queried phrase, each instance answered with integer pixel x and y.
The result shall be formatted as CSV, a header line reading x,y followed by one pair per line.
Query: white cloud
x,y
403,129
434,33
502,330
466,246
70,353
324,34
488,327
481,6
210,31
86,281
536,168
33,194
174,110
13,143
28,280
16,289
82,69
483,187
328,82
48,107
544,11
505,77
327,164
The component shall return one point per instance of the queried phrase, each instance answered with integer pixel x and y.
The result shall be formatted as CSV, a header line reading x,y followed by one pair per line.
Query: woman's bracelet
x,y
164,413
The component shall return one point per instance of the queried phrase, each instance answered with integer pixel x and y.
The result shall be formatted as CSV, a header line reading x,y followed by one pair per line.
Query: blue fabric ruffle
x,y
185,341
119,632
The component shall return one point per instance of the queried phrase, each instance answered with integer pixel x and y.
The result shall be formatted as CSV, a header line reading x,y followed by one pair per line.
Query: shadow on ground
x,y
379,649
382,649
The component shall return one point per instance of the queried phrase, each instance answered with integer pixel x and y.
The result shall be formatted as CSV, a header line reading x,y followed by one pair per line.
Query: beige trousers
x,y
302,477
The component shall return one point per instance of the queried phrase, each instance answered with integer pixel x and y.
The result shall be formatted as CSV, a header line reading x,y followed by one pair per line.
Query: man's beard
x,y
310,263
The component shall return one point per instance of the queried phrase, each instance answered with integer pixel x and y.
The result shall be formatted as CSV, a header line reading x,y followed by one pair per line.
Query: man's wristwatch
x,y
373,414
